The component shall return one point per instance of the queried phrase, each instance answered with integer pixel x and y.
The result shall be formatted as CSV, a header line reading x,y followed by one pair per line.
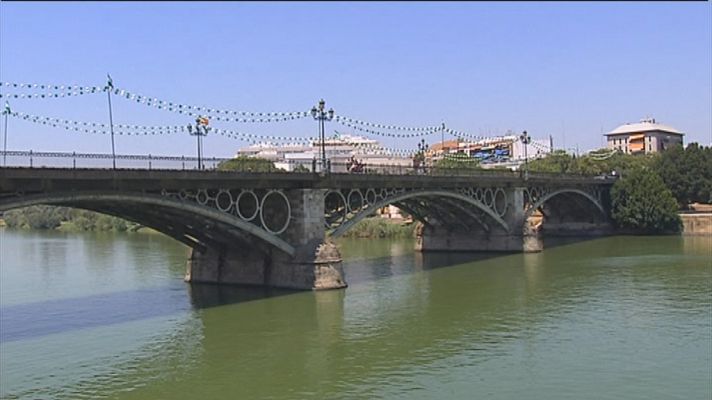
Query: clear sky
x,y
570,70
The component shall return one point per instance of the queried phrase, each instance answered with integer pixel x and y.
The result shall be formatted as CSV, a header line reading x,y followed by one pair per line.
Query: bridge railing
x,y
48,159
40,159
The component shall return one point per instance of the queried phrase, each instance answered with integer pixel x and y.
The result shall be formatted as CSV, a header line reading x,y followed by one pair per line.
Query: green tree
x,y
641,202
687,173
558,162
456,161
248,164
301,169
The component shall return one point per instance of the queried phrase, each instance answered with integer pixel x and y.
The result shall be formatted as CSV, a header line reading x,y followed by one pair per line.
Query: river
x,y
107,315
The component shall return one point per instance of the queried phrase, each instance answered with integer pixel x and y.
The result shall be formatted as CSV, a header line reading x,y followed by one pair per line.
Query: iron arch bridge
x,y
274,228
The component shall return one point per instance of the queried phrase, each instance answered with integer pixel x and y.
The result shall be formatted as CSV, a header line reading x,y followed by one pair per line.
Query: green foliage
x,y
377,227
596,163
301,169
557,162
36,217
49,217
248,164
642,203
687,172
456,161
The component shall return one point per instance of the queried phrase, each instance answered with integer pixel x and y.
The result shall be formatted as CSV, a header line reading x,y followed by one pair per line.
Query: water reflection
x,y
624,317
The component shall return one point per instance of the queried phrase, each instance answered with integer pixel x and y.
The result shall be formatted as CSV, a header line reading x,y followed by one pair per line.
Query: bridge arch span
x,y
462,208
539,202
176,218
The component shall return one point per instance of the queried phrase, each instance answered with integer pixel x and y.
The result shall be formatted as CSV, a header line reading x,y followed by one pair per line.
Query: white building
x,y
339,149
644,137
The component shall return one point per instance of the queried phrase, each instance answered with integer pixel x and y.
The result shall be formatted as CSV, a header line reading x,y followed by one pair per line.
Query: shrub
x,y
642,203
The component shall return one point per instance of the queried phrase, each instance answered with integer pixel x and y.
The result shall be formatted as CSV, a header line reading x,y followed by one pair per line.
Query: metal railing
x,y
74,160
53,159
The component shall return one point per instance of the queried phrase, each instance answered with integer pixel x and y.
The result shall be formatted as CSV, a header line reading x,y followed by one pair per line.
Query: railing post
x,y
149,162
74,160
30,158
183,161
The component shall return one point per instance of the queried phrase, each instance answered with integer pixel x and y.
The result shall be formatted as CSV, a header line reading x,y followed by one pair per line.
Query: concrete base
x,y
438,239
229,266
579,229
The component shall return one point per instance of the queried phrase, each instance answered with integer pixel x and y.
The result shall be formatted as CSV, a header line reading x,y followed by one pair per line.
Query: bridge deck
x,y
33,179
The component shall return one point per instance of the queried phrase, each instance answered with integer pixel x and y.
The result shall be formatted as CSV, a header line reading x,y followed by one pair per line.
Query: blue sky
x,y
570,70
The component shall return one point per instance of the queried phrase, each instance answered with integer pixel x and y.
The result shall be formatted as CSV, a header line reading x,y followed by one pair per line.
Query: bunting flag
x,y
390,134
53,94
216,114
340,118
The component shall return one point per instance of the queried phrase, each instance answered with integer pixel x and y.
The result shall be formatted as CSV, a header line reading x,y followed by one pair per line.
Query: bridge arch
x,y
443,195
545,198
107,203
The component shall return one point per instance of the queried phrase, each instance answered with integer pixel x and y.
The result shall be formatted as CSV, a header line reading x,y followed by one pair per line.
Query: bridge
x,y
275,229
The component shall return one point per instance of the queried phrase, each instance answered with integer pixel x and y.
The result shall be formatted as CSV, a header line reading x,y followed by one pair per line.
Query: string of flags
x,y
216,114
340,118
41,91
460,134
37,86
98,128
142,130
390,134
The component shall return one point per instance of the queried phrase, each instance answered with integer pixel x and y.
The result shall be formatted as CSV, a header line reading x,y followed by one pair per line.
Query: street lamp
x,y
320,115
419,158
201,129
526,139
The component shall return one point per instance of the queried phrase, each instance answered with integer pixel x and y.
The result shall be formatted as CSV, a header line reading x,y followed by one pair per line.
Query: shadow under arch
x,y
124,205
543,200
443,194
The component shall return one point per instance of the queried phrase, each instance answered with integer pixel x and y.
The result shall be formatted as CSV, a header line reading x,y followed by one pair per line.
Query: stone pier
x,y
316,264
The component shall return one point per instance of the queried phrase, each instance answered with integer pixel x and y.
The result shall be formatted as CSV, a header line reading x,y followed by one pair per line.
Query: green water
x,y
107,316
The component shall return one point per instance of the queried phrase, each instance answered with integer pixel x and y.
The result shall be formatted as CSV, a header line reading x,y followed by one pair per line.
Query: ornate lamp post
x,y
526,139
201,129
320,115
419,159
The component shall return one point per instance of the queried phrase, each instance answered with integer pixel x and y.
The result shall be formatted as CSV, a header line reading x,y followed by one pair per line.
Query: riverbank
x,y
383,228
696,223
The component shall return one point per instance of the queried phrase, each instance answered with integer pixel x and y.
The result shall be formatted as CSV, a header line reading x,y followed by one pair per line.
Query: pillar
x,y
437,237
316,265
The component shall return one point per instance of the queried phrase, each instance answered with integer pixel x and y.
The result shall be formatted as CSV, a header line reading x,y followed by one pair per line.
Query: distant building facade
x,y
503,151
340,149
644,137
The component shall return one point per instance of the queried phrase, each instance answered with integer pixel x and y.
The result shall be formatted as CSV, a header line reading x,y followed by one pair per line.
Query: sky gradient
x,y
569,70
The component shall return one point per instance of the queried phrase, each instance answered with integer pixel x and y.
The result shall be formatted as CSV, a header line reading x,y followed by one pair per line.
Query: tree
x,y
558,162
456,161
687,172
301,169
641,202
248,164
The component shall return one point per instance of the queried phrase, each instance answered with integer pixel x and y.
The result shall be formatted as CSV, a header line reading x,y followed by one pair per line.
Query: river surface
x,y
102,315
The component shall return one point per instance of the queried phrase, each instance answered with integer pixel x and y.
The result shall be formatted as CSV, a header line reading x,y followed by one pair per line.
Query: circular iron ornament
x,y
183,194
255,204
478,194
202,197
500,202
370,196
342,200
353,206
262,209
488,197
223,200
